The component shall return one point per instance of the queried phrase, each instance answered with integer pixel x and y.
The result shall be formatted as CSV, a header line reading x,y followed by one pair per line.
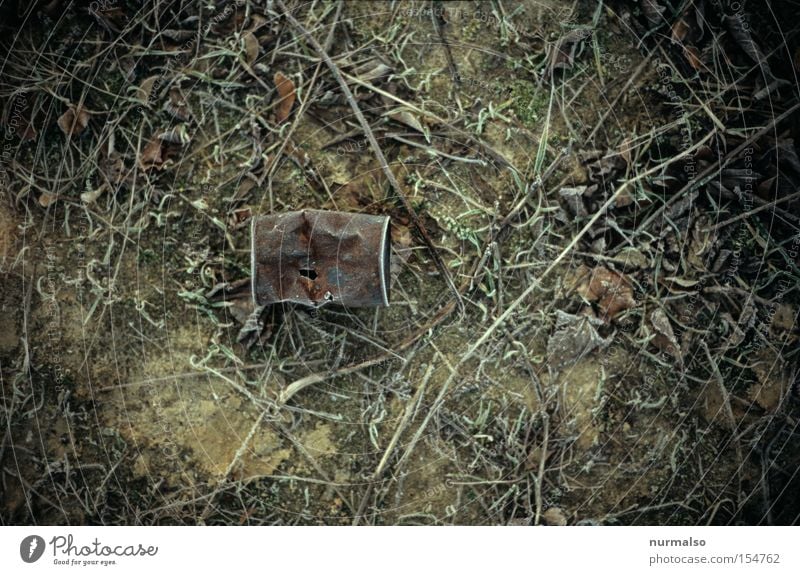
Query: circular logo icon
x,y
31,548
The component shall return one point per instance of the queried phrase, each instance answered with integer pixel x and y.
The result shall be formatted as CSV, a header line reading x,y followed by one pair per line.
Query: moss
x,y
529,102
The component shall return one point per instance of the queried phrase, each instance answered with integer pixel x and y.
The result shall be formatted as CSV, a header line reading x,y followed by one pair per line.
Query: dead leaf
x,y
401,236
251,48
554,516
735,334
359,193
612,291
575,337
244,187
47,198
151,156
573,197
52,8
625,149
257,21
772,384
177,106
286,96
693,57
740,31
623,199
175,135
235,22
145,89
664,336
575,278
784,319
406,118
631,258
371,70
110,16
177,35
563,55
680,29
653,12
74,120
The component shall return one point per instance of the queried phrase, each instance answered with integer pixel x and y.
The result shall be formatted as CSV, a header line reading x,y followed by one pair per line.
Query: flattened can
x,y
316,257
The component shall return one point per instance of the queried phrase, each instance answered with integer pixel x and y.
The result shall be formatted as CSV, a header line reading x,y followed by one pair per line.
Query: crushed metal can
x,y
316,257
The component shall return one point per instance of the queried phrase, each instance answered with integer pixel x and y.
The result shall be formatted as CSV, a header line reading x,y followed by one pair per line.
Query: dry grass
x,y
518,152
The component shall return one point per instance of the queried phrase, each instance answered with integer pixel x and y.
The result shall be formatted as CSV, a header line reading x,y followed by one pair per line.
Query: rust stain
x,y
315,257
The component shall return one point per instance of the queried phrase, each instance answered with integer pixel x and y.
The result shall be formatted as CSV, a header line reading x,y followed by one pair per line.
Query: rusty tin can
x,y
315,257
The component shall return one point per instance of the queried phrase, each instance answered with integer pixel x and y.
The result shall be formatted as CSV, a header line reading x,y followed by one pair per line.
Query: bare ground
x,y
615,361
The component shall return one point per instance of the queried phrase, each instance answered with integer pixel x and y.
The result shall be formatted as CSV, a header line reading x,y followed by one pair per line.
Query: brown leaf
x,y
665,337
680,29
151,156
251,48
575,278
177,106
406,118
693,57
110,16
46,199
612,291
784,319
625,149
257,21
772,383
230,24
371,70
361,192
573,197
286,96
244,187
74,120
401,236
554,516
145,89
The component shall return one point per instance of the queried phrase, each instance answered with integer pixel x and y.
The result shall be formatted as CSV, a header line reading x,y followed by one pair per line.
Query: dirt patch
x,y
614,344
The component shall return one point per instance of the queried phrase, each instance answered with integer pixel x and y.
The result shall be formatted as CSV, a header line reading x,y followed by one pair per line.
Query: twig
x,y
438,23
749,213
611,107
716,167
437,260
441,315
306,102
410,411
726,403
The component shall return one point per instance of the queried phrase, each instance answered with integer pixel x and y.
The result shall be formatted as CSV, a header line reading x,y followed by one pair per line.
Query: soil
x,y
130,397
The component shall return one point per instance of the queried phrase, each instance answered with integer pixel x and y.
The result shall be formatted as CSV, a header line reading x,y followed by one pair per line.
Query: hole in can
x,y
308,273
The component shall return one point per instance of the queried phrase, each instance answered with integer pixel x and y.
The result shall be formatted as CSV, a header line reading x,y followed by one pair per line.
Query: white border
x,y
404,550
